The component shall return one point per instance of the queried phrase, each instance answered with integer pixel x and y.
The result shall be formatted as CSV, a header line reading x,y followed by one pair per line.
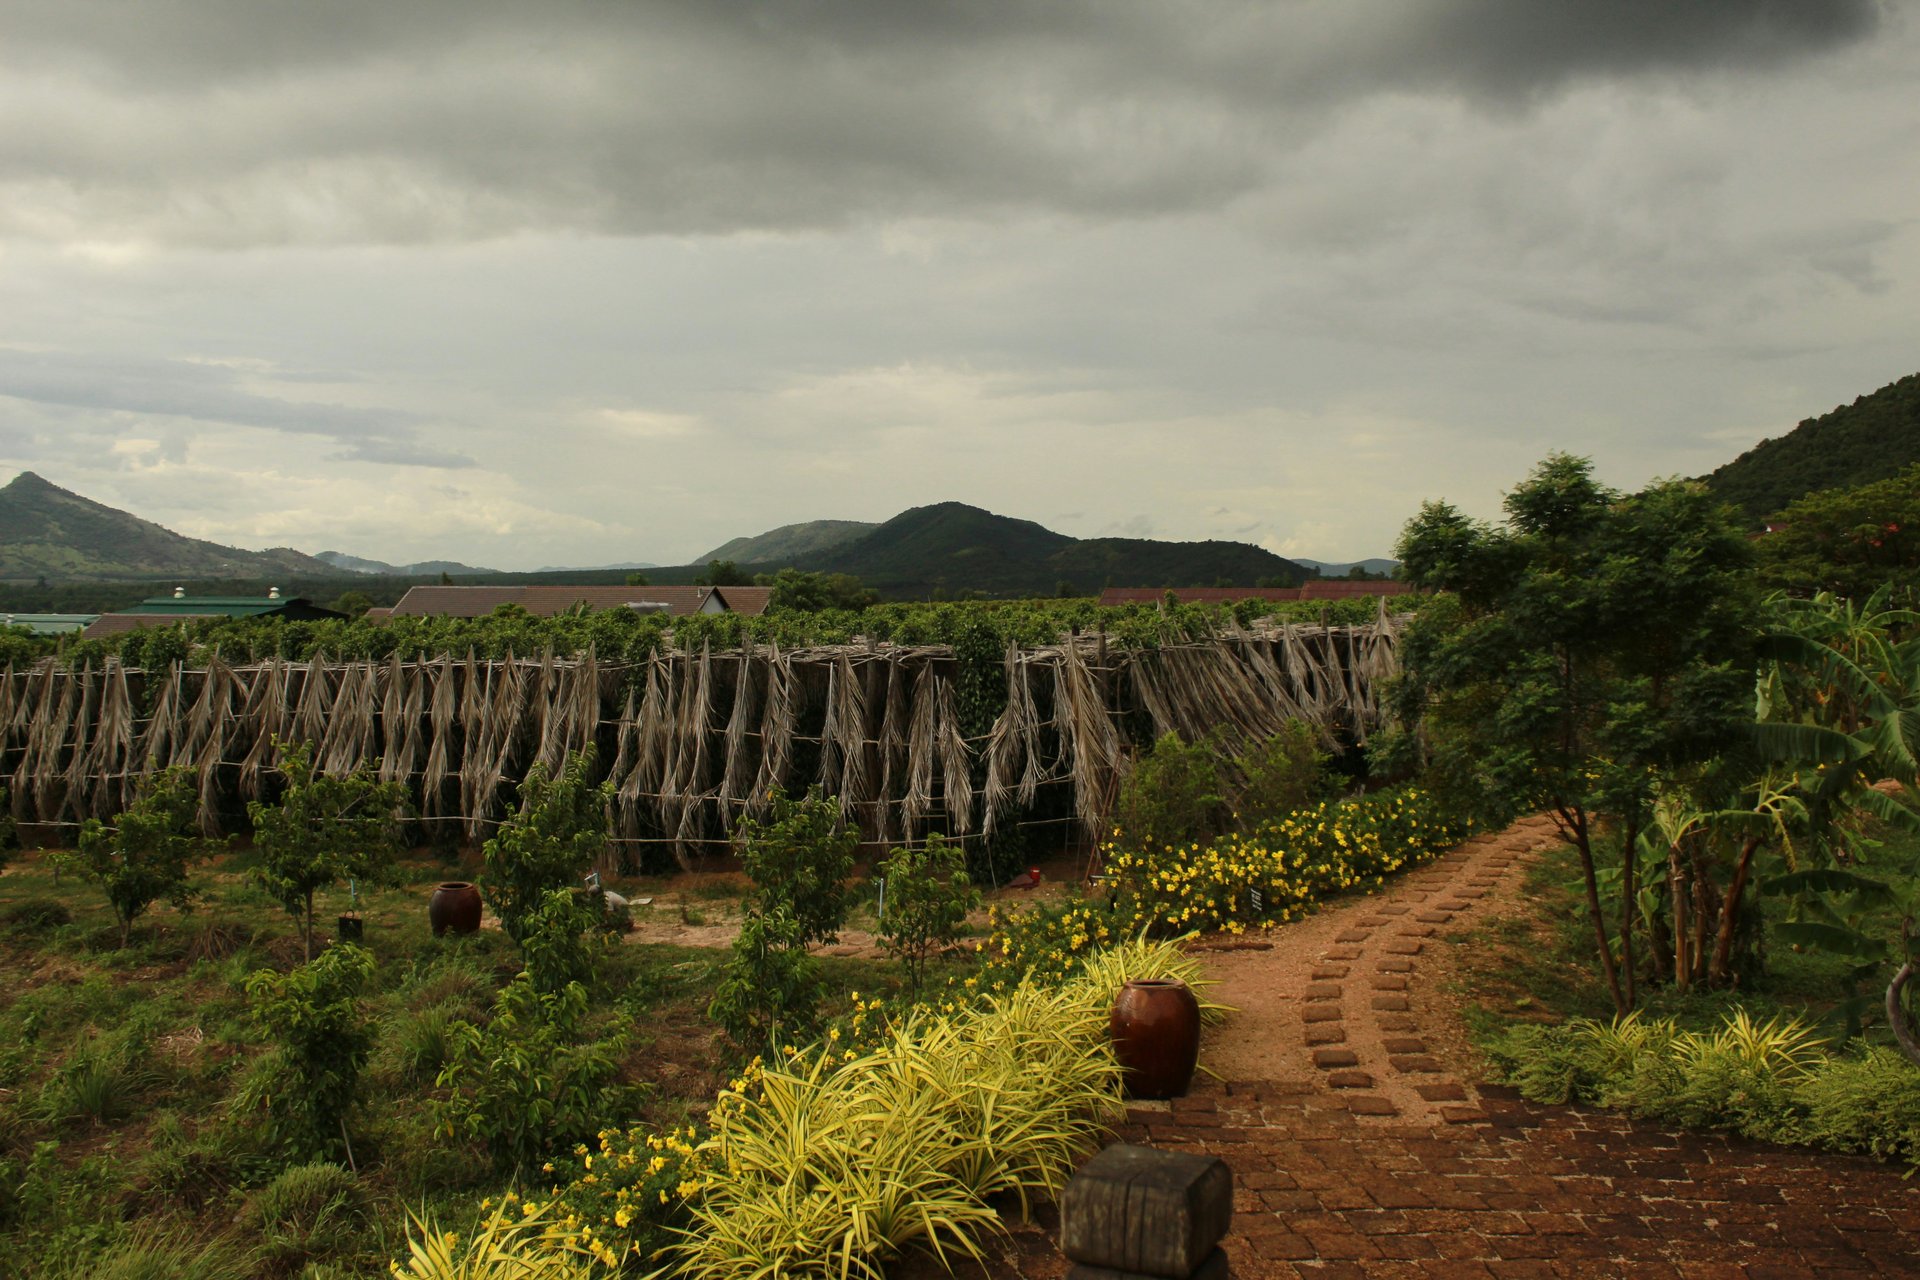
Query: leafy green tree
x,y
1591,643
322,831
1172,796
558,834
353,603
1848,541
928,896
145,855
723,573
636,579
560,942
769,993
322,1039
799,860
805,592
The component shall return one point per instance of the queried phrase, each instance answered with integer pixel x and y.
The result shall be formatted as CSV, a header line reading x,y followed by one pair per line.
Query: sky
x,y
581,283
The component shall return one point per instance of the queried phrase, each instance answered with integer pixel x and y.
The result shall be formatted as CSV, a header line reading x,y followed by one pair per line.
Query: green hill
x,y
790,543
1871,439
953,548
47,532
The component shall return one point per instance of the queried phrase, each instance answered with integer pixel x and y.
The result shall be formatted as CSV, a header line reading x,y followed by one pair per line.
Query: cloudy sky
x,y
524,284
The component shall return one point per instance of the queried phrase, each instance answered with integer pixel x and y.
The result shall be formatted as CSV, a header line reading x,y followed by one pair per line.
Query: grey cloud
x,y
211,393
238,123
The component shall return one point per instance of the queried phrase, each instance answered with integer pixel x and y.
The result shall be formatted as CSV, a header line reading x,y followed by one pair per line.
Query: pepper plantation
x,y
801,936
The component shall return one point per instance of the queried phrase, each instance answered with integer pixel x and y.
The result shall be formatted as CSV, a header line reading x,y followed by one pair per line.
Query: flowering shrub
x,y
1276,872
623,1200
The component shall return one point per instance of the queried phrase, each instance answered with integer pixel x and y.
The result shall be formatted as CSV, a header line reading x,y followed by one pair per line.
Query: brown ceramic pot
x,y
455,905
1156,1036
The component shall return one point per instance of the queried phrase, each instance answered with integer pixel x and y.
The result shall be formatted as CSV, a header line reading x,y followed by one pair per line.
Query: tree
x,y
145,855
322,1041
636,579
799,860
927,900
1591,643
323,830
1848,541
558,834
353,603
722,573
812,592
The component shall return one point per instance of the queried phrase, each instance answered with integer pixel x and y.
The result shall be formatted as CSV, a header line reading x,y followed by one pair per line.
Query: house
x,y
1315,589
180,607
546,602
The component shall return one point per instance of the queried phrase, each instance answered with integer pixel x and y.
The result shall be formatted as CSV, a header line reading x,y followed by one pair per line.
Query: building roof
x,y
751,601
546,601
113,624
48,624
379,613
1315,589
294,607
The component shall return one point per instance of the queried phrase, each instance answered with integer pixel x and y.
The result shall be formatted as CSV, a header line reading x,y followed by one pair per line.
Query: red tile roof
x,y
114,624
1347,588
751,601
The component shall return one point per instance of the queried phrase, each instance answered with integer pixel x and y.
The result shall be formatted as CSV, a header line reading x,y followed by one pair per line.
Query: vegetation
x,y
1850,542
309,1085
928,898
324,829
558,834
145,856
1871,439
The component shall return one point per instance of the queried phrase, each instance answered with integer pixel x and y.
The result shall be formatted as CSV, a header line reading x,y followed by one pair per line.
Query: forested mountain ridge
x,y
49,532
790,542
1871,439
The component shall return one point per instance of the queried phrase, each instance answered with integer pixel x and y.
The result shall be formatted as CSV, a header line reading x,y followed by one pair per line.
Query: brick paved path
x,y
1361,1153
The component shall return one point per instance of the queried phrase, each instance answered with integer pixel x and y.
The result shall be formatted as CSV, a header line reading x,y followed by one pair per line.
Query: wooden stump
x,y
1136,1211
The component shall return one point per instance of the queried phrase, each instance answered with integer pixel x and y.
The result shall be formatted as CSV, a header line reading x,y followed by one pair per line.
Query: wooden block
x,y
1213,1268
1146,1212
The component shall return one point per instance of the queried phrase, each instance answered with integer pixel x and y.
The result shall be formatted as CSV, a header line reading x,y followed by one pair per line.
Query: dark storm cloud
x,y
212,393
246,123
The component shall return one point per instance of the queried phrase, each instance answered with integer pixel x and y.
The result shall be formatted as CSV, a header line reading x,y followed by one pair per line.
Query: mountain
x,y
953,548
623,567
47,532
1871,439
790,543
1375,565
359,564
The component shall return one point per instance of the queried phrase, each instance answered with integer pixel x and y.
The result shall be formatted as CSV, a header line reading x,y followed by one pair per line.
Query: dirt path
x,y
1362,1146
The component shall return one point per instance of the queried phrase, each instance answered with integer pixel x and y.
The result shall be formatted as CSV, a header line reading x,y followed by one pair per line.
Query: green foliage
x,y
1857,444
6,830
560,941
1286,772
156,1255
1848,541
101,1082
1173,796
928,897
1769,1080
1593,642
813,592
723,573
532,1081
324,829
799,859
521,1247
311,1082
309,1211
145,855
559,832
770,992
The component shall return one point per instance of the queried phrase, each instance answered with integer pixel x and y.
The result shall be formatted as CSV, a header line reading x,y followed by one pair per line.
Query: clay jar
x,y
1156,1036
455,905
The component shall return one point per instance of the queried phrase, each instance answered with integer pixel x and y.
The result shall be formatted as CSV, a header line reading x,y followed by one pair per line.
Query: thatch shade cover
x,y
690,740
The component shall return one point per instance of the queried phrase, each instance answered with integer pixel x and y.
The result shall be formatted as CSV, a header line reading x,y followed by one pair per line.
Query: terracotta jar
x,y
1156,1036
455,905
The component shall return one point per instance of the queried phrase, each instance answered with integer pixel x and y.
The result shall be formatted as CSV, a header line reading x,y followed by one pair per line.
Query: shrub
x,y
422,1043
799,861
770,991
1172,796
927,900
1284,773
530,1082
310,1083
324,830
560,939
145,855
309,1211
559,832
36,917
526,1247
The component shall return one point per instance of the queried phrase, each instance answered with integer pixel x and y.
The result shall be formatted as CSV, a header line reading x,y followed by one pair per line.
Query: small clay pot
x,y
1156,1036
455,905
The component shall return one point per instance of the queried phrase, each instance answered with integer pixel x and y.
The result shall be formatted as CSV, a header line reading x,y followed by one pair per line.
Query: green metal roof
x,y
48,624
205,606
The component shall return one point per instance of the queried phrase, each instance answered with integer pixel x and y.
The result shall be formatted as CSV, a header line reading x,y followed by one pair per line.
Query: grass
x,y
120,1152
